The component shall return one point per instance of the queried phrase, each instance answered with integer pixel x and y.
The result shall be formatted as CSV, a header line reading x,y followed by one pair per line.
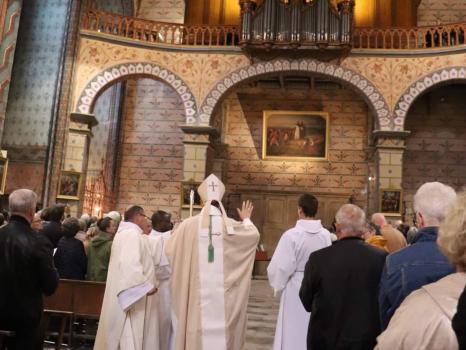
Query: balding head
x,y
23,203
378,219
350,221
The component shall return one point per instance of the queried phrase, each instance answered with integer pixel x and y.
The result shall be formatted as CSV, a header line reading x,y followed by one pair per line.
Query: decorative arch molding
x,y
371,94
122,71
428,81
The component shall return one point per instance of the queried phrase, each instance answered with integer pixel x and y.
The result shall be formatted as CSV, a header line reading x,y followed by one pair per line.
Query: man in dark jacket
x,y
70,257
52,227
340,288
26,272
422,262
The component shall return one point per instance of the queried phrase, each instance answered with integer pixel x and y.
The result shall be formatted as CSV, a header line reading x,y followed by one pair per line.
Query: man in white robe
x,y
211,257
128,320
161,227
286,271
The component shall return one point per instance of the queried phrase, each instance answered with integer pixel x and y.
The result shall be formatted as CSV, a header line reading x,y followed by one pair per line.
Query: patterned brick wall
x,y
152,149
441,12
346,169
436,148
162,10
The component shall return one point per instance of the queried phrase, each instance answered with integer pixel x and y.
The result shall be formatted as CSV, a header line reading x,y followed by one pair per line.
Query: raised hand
x,y
246,210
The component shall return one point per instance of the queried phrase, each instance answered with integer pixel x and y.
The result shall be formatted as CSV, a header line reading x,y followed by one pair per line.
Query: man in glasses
x,y
128,319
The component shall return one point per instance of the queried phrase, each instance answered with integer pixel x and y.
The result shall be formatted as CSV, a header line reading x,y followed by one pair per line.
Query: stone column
x,y
198,156
76,158
389,148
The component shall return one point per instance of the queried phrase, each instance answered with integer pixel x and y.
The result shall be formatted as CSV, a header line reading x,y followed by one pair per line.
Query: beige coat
x,y
238,258
423,320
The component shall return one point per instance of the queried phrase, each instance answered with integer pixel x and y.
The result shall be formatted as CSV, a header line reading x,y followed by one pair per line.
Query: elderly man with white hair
x,y
26,273
422,262
340,287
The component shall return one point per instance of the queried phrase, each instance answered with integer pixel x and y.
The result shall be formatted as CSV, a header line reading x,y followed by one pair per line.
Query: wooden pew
x,y
73,299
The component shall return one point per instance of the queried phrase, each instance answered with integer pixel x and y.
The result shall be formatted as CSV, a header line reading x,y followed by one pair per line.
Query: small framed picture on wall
x,y
3,173
70,185
186,188
390,201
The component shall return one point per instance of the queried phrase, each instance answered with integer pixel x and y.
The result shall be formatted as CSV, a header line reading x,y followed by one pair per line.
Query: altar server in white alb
x,y
286,270
162,227
211,257
128,320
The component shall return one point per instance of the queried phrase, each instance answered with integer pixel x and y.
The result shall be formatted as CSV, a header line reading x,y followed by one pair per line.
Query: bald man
x,y
395,239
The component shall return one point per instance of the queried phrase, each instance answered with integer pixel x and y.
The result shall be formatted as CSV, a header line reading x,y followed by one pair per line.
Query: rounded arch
x,y
425,83
371,94
101,81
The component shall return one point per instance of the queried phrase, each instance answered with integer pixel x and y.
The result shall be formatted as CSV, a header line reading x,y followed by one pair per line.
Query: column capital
x,y
84,119
390,139
198,134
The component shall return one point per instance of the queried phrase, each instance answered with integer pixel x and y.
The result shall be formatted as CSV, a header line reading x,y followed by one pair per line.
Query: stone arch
x,y
97,85
371,94
416,89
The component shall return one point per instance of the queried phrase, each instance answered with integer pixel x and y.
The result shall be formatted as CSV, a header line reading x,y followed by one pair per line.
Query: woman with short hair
x,y
431,308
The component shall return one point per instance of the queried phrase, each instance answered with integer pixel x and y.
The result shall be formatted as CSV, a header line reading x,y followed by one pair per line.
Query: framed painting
x,y
295,135
3,172
390,202
186,188
69,185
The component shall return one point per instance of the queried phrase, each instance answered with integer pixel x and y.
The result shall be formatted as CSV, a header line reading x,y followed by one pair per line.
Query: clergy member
x,y
286,270
161,227
128,320
211,257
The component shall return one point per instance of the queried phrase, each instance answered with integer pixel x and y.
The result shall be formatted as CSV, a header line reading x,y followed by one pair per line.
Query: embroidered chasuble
x,y
211,258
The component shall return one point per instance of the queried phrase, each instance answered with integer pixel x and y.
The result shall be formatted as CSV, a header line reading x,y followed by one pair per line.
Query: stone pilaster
x,y
76,157
198,155
389,148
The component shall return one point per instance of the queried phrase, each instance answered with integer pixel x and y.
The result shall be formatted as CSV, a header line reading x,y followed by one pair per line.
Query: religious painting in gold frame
x,y
186,188
69,185
3,173
295,135
390,201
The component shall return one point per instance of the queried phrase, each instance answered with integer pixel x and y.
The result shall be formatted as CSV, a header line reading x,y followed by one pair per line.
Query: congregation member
x,y
36,223
286,270
373,237
115,216
424,319
161,227
459,320
340,287
211,257
26,271
422,262
52,227
100,249
70,258
395,240
128,319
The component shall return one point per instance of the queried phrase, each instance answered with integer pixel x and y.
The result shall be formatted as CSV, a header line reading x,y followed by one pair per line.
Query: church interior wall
x,y
344,175
432,12
32,92
152,150
162,10
436,147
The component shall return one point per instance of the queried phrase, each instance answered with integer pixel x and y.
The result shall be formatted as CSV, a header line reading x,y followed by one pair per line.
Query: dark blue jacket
x,y
409,269
70,259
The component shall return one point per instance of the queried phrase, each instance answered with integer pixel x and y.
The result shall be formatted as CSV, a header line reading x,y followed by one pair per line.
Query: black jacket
x,y
70,259
53,231
459,321
340,289
26,272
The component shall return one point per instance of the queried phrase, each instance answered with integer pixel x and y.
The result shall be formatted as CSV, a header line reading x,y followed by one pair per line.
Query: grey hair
x,y
432,200
22,202
352,220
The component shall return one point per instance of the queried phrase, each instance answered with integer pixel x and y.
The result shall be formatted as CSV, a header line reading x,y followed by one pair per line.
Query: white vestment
x,y
285,272
163,299
128,320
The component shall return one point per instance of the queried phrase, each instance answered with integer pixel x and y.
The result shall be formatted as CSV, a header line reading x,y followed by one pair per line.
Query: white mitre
x,y
212,189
